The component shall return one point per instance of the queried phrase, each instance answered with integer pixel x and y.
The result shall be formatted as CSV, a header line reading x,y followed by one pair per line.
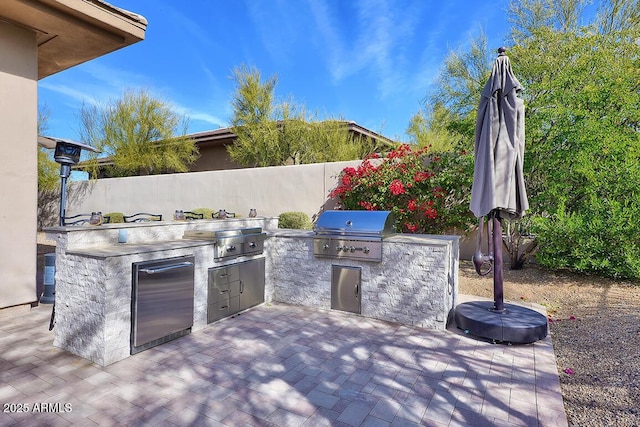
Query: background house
x,y
212,146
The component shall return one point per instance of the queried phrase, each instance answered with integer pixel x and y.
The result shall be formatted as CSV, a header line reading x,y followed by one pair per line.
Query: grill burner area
x,y
352,234
347,248
228,244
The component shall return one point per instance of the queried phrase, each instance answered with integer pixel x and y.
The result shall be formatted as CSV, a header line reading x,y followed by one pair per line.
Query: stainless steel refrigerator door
x,y
345,288
163,298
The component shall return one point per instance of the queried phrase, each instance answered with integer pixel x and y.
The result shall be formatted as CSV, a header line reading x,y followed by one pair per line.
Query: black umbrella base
x,y
516,324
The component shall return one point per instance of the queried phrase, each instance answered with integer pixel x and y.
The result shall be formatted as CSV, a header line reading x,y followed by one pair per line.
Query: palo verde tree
x,y
142,134
448,119
271,133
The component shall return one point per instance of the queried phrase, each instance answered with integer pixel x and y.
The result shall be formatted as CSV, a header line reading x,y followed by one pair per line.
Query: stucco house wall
x,y
19,176
37,39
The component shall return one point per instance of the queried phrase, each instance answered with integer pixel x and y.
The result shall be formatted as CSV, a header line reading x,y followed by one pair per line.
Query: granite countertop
x,y
231,222
123,249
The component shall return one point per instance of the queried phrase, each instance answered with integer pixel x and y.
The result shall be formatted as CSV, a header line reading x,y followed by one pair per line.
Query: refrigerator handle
x,y
165,268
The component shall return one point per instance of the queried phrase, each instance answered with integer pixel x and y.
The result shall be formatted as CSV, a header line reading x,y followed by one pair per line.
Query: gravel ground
x,y
595,328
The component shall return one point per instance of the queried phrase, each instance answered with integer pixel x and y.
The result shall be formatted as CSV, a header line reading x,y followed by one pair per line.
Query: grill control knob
x,y
338,248
325,247
345,248
352,249
366,250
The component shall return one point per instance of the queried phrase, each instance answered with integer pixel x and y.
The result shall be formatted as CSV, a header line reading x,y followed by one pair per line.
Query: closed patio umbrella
x,y
498,182
499,192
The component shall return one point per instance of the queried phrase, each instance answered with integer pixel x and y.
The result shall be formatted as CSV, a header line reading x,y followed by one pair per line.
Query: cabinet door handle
x,y
224,308
241,287
357,288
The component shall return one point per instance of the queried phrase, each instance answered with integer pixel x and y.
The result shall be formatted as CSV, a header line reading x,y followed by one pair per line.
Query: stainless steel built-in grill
x,y
229,244
352,234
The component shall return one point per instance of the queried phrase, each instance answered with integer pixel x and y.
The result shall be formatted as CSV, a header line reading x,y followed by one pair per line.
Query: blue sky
x,y
370,61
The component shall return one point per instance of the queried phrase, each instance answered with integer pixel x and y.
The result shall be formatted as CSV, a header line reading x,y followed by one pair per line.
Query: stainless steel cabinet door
x,y
345,288
251,283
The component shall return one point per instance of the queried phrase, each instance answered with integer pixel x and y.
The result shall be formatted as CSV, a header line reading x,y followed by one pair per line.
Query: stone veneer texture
x,y
415,284
93,301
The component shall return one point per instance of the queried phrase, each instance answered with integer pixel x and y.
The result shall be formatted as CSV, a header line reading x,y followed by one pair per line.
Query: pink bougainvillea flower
x,y
568,371
572,318
349,171
411,227
431,213
396,187
367,205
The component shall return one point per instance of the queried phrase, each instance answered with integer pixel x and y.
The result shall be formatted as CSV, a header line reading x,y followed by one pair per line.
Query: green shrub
x,y
114,217
602,239
295,220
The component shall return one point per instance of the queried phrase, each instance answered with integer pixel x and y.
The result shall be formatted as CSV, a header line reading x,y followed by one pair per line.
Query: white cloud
x,y
70,92
199,115
374,42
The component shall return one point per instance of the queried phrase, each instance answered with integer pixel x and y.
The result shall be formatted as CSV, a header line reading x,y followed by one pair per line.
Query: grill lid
x,y
356,223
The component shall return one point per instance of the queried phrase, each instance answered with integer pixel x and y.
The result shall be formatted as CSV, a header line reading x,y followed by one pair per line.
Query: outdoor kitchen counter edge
x,y
124,249
290,232
433,239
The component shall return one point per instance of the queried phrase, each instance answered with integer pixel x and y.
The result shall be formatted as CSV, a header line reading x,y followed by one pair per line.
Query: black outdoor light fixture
x,y
67,153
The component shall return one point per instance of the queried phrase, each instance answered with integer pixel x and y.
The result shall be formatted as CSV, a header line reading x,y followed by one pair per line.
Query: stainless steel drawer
x,y
224,290
221,275
224,307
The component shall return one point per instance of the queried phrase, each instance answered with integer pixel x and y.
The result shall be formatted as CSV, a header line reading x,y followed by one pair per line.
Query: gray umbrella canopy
x,y
498,182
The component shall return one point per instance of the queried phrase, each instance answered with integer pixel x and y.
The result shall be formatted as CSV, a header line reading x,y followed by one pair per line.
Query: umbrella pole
x,y
498,292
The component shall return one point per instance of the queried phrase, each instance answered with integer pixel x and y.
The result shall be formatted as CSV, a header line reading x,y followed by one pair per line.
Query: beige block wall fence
x,y
270,190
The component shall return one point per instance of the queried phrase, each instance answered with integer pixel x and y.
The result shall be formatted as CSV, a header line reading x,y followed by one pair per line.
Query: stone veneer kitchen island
x,y
93,278
415,284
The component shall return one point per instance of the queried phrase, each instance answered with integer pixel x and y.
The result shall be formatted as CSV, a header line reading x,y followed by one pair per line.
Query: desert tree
x,y
142,134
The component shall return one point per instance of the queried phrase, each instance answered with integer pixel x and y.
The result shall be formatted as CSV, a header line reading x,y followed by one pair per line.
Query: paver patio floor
x,y
282,365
